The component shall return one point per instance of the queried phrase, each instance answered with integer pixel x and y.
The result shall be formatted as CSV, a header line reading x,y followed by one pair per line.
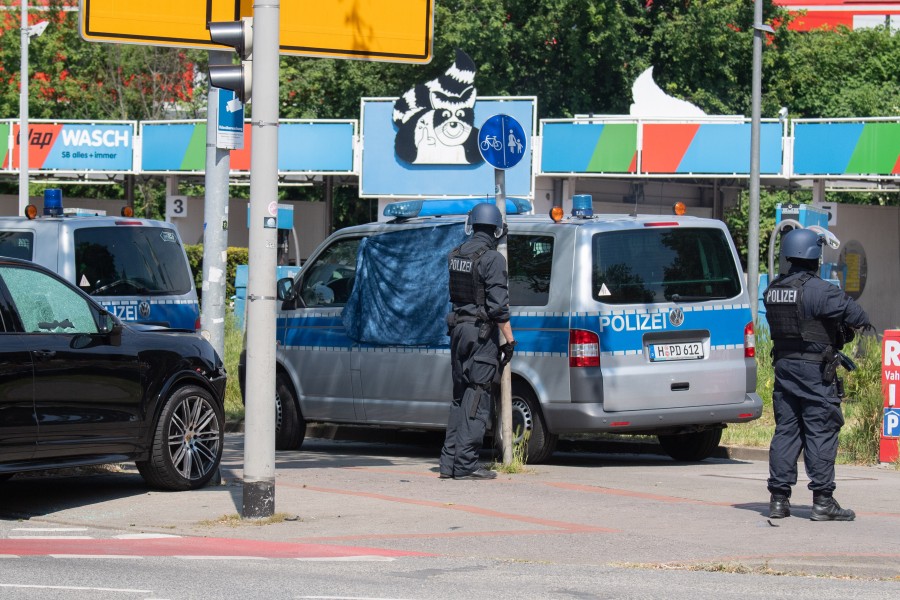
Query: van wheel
x,y
187,442
691,447
526,416
290,426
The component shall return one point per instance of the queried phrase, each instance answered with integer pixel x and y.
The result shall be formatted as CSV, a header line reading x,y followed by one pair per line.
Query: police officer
x,y
809,320
480,312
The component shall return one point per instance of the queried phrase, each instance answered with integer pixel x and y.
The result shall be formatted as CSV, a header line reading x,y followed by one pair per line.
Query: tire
x,y
691,447
290,426
187,442
6,476
527,416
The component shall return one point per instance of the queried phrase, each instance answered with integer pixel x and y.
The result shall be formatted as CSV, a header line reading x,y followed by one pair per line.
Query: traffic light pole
x,y
215,221
259,424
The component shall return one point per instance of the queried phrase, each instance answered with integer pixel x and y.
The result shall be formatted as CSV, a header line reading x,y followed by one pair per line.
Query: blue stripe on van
x,y
622,331
178,313
546,334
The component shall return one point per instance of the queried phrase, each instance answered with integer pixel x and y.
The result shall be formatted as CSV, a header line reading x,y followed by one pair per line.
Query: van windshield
x,y
130,261
649,266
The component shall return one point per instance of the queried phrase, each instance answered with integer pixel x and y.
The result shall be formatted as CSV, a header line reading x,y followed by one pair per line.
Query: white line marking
x,y
348,559
50,537
70,587
187,557
93,556
49,529
144,536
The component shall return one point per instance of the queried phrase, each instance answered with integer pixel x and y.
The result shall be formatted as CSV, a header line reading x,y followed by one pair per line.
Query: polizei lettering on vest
x,y
781,296
633,322
461,265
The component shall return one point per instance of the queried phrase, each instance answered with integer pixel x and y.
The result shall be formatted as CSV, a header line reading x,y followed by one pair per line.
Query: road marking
x,y
48,529
93,556
73,588
49,537
211,557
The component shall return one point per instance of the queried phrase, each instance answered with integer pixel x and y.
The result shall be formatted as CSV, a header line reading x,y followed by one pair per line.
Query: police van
x,y
135,268
624,324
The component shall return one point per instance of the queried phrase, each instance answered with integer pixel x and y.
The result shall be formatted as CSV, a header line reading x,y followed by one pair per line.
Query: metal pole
x,y
753,234
23,114
505,378
215,221
259,425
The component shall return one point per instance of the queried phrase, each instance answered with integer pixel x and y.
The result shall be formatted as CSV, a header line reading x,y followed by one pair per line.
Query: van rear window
x,y
650,266
129,261
17,244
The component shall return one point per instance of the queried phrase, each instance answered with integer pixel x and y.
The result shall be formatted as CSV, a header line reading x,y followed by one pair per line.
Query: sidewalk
x,y
385,498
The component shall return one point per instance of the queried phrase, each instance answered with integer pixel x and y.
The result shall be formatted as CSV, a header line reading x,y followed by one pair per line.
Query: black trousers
x,y
474,364
807,417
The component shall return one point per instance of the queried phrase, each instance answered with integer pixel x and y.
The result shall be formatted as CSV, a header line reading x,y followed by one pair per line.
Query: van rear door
x,y
671,317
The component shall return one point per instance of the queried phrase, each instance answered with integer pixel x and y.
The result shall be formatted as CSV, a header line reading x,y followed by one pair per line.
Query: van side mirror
x,y
285,287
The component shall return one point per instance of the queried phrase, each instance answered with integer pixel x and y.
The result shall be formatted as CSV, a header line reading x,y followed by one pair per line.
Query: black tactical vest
x,y
783,311
465,286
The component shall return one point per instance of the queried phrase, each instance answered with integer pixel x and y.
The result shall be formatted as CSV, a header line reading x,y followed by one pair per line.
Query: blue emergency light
x,y
582,206
408,209
53,202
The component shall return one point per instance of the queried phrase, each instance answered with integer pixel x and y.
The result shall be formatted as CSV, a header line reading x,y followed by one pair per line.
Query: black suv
x,y
78,387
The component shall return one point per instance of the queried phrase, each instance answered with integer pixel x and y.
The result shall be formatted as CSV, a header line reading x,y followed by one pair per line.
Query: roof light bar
x,y
408,209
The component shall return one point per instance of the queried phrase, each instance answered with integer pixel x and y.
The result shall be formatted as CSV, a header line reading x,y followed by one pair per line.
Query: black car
x,y
78,387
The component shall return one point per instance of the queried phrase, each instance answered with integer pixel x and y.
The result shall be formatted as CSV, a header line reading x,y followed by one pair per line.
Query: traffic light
x,y
238,35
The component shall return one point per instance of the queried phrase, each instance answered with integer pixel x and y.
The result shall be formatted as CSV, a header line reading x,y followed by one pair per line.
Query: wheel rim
x,y
279,412
194,437
522,419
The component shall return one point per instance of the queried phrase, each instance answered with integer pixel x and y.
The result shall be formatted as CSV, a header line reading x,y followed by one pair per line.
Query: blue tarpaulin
x,y
401,295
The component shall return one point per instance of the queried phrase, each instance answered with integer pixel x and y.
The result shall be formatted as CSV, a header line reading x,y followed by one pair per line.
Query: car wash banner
x,y
304,147
77,146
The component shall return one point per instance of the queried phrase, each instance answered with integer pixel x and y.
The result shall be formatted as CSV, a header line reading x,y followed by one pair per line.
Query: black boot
x,y
826,508
779,506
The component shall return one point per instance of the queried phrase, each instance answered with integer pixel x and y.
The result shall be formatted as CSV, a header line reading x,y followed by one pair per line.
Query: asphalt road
x,y
370,519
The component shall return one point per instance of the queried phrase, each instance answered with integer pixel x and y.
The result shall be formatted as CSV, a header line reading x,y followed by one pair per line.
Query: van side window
x,y
663,265
530,262
17,244
45,305
329,279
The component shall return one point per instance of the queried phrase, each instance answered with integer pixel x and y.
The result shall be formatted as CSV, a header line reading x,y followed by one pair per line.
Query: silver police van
x,y
137,269
625,324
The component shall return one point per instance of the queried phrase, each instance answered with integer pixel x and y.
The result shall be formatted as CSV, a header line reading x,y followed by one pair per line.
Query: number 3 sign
x,y
176,206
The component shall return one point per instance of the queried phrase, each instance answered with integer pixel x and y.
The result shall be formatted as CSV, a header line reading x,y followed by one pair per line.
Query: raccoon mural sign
x,y
436,120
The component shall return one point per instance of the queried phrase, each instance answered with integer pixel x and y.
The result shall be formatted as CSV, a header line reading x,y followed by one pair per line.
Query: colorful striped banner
x,y
852,148
302,147
589,148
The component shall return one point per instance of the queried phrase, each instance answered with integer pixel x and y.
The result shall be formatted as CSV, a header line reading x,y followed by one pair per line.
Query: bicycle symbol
x,y
491,141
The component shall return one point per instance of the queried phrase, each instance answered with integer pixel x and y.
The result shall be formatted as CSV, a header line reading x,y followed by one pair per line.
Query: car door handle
x,y
44,354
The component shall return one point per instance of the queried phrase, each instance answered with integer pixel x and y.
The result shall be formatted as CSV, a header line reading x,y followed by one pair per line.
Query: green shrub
x,y
236,256
862,407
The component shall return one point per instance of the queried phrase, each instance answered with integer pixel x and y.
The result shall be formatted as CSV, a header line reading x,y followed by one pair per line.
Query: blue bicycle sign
x,y
502,142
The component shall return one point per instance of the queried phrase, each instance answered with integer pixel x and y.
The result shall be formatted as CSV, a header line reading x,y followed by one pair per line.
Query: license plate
x,y
679,351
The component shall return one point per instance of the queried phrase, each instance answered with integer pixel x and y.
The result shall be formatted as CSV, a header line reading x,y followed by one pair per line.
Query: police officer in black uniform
x,y
810,320
479,295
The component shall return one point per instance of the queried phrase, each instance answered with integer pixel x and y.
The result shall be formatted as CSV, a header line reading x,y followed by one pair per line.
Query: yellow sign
x,y
388,30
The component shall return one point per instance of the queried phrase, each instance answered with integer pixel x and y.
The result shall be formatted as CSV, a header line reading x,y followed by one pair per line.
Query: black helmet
x,y
804,244
485,214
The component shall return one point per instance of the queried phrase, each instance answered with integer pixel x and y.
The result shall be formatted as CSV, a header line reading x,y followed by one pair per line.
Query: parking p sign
x,y
890,381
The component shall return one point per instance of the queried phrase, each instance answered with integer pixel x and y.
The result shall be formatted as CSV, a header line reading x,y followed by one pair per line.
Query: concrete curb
x,y
623,446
